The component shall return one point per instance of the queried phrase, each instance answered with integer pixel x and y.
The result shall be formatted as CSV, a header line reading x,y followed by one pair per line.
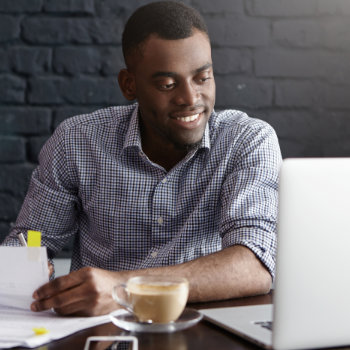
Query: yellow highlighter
x,y
40,330
34,238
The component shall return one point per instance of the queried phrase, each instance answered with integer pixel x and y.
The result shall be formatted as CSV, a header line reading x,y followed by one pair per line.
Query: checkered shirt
x,y
95,183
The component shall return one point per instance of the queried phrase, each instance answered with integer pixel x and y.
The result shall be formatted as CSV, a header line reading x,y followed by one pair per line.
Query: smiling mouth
x,y
189,118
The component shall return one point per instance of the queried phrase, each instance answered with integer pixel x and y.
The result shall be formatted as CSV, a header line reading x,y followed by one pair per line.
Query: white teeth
x,y
190,118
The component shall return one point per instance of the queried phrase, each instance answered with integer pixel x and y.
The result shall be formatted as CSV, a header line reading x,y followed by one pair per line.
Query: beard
x,y
187,147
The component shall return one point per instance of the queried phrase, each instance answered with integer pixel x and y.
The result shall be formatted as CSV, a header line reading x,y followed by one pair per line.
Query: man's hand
x,y
86,292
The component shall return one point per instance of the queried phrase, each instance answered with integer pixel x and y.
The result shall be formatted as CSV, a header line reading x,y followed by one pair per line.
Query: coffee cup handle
x,y
122,302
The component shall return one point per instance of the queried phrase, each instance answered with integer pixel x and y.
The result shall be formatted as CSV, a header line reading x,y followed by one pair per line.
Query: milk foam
x,y
156,287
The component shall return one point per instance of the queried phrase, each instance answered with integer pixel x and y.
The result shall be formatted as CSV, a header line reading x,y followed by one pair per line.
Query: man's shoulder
x,y
104,117
235,121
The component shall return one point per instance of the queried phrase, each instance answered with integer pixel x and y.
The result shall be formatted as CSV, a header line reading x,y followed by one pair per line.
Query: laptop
x,y
311,307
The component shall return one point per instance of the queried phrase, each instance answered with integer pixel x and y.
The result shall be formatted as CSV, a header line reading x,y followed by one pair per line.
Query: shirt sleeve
x,y
51,202
250,194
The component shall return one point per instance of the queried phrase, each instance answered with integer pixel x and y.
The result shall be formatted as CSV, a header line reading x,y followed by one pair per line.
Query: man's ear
x,y
126,82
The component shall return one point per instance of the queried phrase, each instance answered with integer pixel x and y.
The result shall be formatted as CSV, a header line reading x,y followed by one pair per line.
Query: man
x,y
163,186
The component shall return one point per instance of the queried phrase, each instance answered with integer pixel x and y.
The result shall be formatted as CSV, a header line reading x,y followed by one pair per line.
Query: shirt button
x,y
154,254
160,220
164,180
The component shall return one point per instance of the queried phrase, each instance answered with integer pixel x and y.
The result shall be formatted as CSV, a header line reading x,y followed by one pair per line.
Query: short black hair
x,y
169,20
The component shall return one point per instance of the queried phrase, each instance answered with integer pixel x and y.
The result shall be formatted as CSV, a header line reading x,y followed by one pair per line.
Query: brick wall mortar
x,y
281,60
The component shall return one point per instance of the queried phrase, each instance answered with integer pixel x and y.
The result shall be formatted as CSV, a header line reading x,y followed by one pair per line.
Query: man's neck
x,y
167,157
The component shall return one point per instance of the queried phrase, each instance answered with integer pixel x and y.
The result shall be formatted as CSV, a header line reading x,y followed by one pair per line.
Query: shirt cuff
x,y
265,252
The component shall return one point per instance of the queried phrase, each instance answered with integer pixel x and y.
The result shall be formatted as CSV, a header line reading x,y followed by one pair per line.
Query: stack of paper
x,y
22,271
16,326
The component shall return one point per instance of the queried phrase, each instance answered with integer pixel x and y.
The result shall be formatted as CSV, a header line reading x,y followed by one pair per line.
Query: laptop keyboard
x,y
265,324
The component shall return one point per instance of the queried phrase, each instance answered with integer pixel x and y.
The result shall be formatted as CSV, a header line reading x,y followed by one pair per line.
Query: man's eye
x,y
204,79
167,86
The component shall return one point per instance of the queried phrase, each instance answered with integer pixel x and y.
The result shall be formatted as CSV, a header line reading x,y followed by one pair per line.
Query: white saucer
x,y
127,321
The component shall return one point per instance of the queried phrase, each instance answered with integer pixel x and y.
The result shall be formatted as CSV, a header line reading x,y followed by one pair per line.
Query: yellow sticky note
x,y
40,330
34,238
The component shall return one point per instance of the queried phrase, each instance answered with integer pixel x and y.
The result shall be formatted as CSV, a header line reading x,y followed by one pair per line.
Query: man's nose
x,y
187,94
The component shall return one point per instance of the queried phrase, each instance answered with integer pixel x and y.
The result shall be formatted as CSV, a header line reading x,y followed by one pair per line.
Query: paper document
x,y
22,271
16,326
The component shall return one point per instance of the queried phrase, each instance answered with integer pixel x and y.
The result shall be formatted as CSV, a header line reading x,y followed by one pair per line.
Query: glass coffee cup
x,y
153,299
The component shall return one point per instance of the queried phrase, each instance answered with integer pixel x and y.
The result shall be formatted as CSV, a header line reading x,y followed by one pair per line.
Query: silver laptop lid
x,y
312,296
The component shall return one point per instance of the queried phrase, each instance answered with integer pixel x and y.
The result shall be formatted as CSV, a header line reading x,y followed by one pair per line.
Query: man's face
x,y
175,88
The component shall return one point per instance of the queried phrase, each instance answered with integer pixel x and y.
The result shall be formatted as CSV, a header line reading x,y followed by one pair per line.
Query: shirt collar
x,y
133,135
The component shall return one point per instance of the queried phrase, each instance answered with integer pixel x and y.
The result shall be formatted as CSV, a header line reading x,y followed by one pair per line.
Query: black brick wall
x,y
285,61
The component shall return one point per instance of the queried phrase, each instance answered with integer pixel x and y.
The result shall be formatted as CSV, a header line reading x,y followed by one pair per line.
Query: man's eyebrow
x,y
174,74
205,67
164,74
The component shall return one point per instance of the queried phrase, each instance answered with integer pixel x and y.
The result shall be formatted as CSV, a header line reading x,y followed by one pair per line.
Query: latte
x,y
156,298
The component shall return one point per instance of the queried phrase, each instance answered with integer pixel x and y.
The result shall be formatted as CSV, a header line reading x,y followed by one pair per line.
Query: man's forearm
x,y
231,273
